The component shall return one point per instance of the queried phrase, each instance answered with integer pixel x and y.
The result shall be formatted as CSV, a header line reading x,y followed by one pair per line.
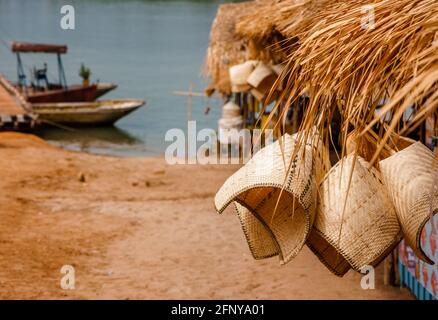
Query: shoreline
x,y
138,228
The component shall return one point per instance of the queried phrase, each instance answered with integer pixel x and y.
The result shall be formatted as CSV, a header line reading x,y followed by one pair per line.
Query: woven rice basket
x,y
262,80
239,73
366,145
278,68
260,73
240,88
366,230
410,175
260,240
280,191
230,110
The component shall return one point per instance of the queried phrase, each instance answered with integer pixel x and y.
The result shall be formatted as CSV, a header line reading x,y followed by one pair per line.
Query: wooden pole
x,y
194,94
251,108
190,102
389,270
256,106
245,109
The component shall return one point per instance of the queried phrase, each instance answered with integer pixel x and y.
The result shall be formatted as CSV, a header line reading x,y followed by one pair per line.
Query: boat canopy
x,y
27,47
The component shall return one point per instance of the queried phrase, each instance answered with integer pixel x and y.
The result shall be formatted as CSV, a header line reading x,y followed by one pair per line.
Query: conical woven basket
x,y
409,176
239,73
365,145
327,253
260,240
356,224
260,73
280,191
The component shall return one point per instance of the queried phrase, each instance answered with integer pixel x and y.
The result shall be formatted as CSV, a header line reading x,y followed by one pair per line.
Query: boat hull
x,y
99,113
75,93
104,88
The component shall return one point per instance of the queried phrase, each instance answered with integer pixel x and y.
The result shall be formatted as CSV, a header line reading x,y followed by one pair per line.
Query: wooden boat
x,y
41,90
74,93
103,88
97,113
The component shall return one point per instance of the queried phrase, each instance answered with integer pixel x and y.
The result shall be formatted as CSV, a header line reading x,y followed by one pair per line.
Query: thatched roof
x,y
226,47
348,66
341,62
266,19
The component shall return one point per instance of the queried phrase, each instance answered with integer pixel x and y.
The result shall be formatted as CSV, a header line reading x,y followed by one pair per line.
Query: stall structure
x,y
420,277
362,74
242,66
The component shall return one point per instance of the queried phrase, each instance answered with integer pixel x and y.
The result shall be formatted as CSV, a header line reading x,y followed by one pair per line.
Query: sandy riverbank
x,y
137,228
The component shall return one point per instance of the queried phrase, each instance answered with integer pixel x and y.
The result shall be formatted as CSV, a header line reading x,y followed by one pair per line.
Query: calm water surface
x,y
149,48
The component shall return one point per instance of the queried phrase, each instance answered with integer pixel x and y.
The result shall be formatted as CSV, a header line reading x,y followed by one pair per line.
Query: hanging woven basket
x,y
410,176
278,188
356,224
260,240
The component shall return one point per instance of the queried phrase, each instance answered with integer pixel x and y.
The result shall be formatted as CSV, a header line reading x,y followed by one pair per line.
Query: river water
x,y
149,48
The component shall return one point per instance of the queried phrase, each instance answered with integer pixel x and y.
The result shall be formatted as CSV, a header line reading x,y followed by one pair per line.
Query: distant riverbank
x,y
149,48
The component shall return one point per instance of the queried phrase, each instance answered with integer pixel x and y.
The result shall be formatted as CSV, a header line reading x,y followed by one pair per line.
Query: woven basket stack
x,y
255,77
351,215
231,119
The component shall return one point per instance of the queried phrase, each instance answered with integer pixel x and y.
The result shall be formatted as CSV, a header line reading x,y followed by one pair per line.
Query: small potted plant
x,y
85,74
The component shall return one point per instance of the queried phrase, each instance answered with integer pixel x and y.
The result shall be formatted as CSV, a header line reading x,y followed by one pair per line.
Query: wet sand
x,y
137,228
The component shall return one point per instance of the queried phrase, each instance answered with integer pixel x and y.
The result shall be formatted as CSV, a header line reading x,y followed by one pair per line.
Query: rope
x,y
57,125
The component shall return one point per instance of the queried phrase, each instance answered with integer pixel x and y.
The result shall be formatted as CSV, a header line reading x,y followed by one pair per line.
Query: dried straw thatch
x,y
261,27
267,18
342,61
349,66
229,46
363,64
226,47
